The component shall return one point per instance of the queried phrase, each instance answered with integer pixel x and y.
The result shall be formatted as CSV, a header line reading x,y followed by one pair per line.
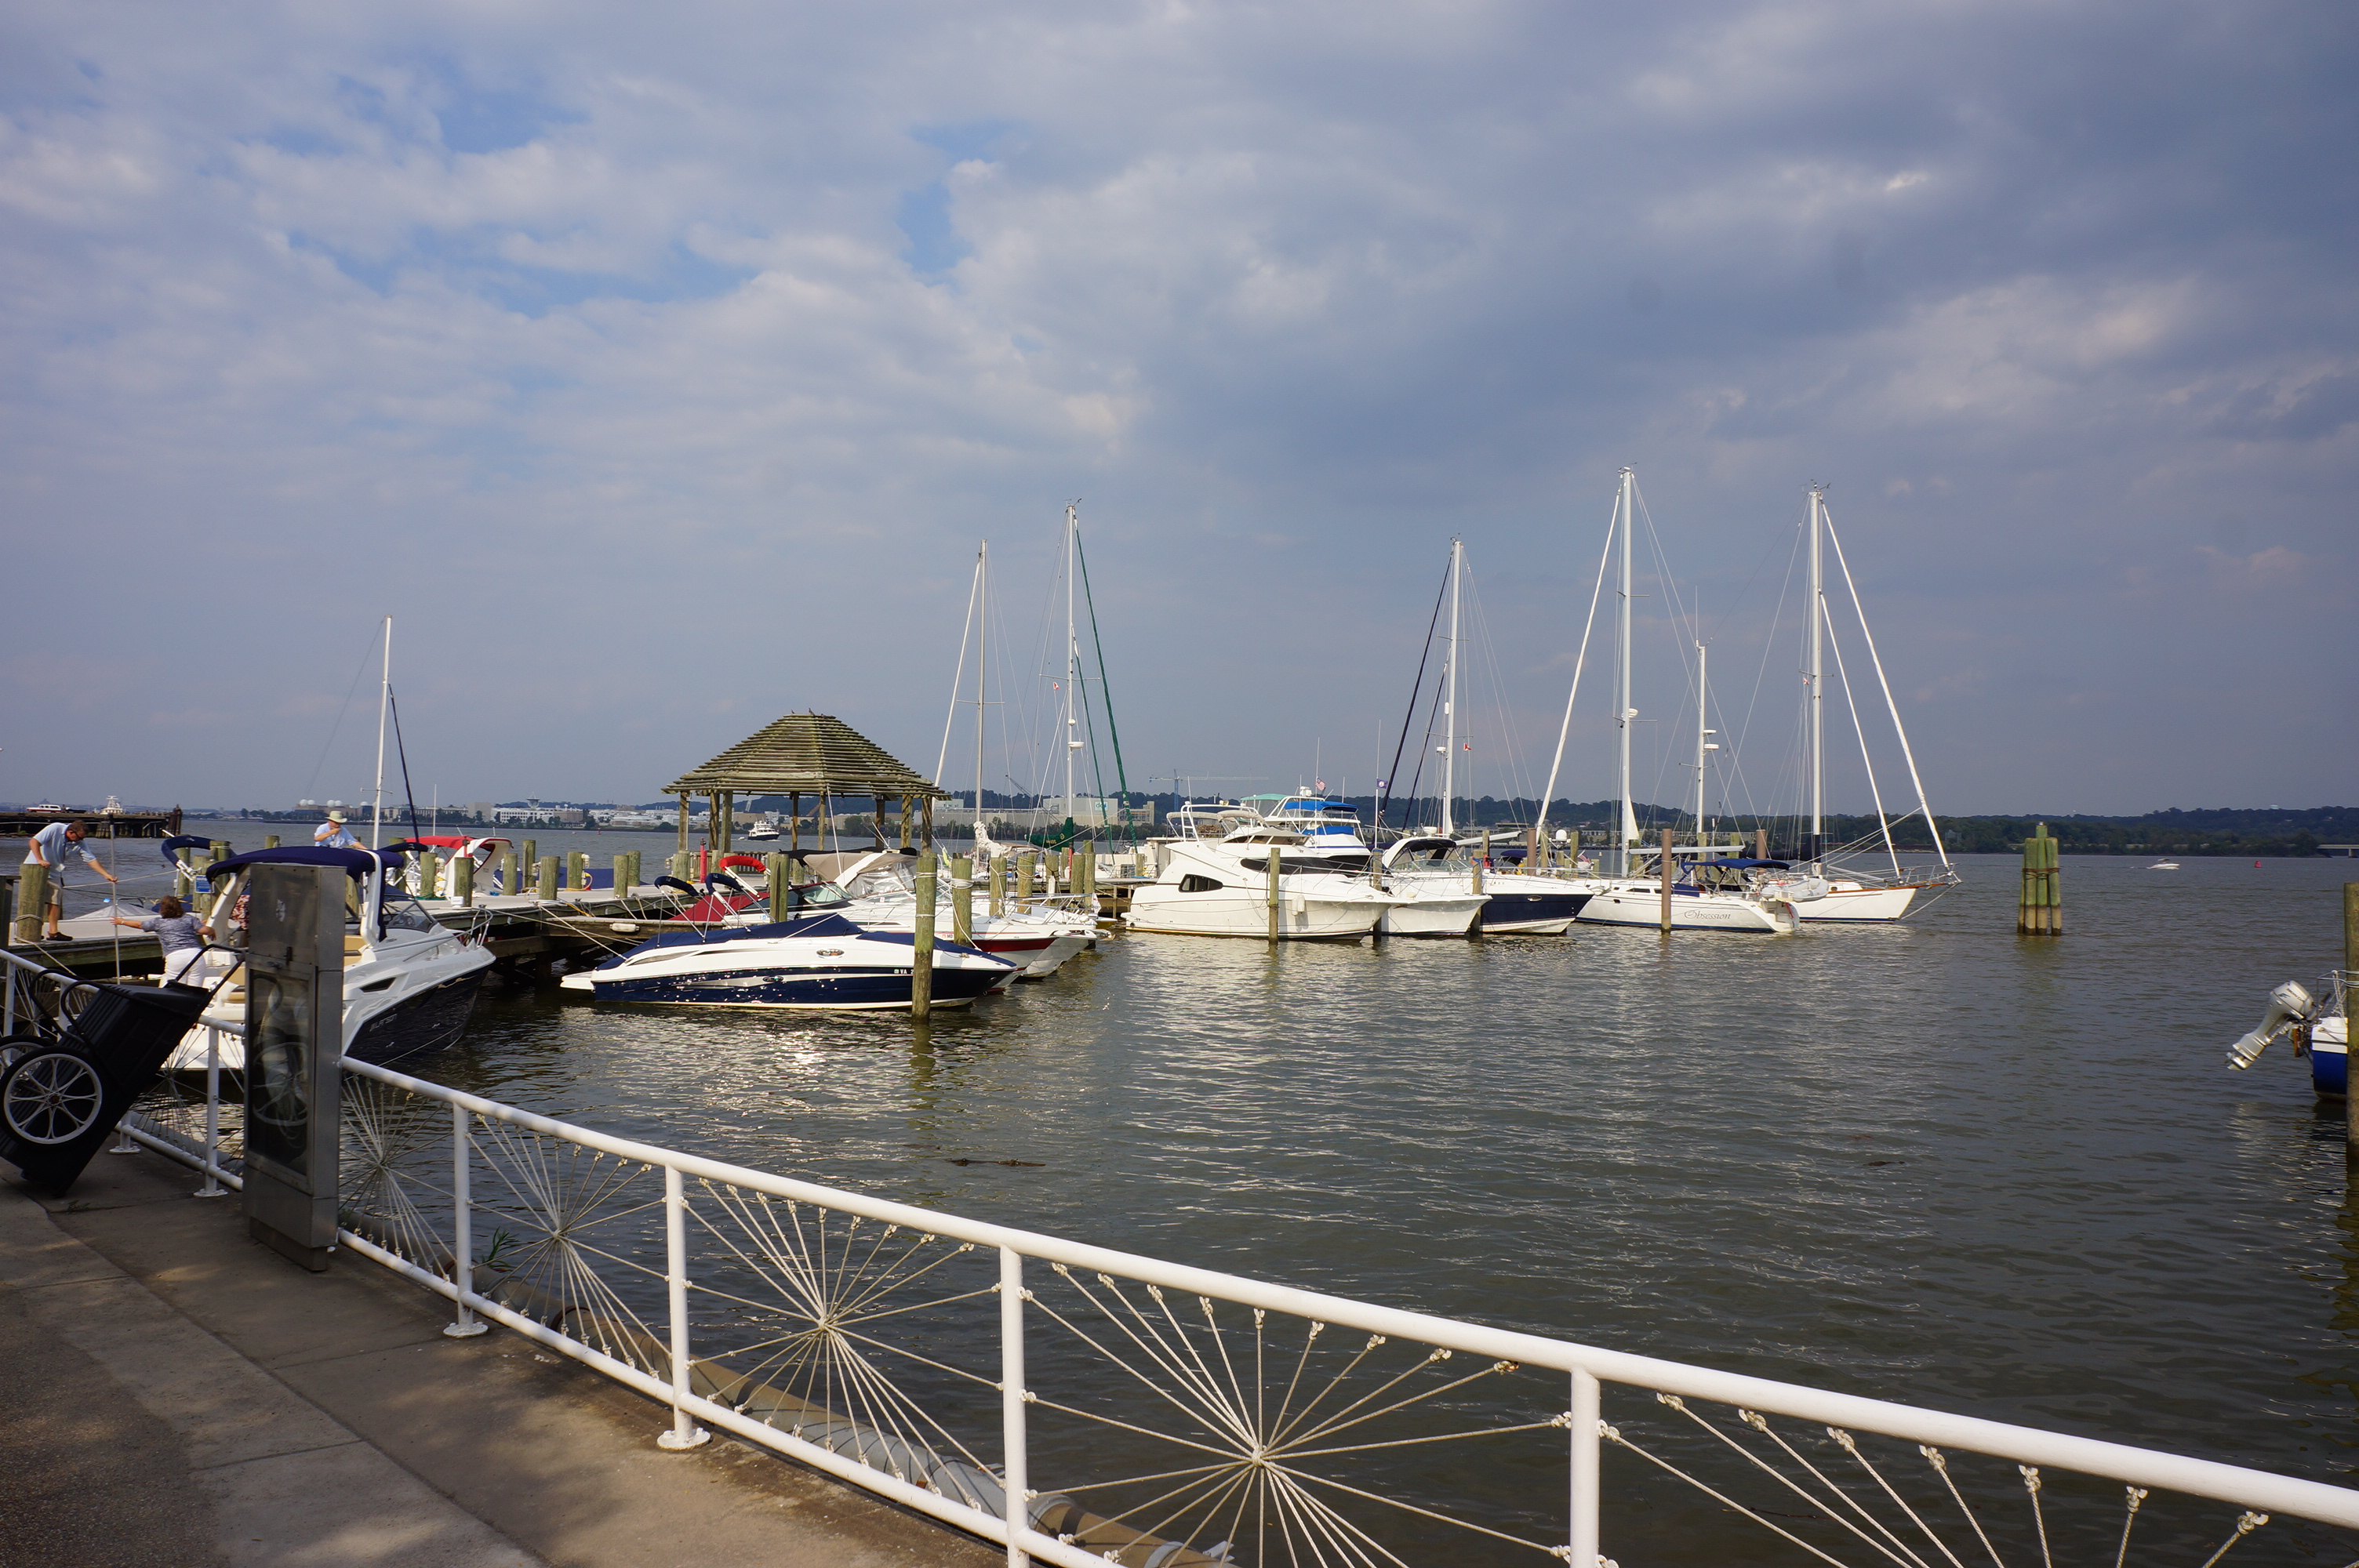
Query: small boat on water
x,y
2164,866
823,962
1220,886
1761,897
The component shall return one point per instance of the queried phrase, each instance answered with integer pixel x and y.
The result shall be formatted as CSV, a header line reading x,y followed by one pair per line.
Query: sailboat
x,y
1854,896
1433,865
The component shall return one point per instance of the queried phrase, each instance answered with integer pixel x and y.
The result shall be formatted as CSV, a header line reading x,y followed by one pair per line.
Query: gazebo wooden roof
x,y
808,753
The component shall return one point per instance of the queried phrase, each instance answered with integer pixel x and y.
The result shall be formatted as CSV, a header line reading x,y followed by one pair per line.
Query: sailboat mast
x,y
982,653
1813,846
384,702
1704,737
1450,702
1623,711
1072,661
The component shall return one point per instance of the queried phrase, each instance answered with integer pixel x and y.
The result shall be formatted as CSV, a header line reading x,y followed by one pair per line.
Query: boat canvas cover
x,y
354,863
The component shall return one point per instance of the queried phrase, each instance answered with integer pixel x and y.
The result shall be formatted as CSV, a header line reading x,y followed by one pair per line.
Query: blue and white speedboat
x,y
821,962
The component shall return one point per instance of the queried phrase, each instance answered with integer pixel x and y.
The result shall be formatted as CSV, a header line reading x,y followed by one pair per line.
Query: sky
x,y
660,369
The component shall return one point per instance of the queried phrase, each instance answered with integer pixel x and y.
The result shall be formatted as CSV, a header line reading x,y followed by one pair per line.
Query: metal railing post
x,y
1584,1414
213,1187
463,1230
684,1433
1015,1477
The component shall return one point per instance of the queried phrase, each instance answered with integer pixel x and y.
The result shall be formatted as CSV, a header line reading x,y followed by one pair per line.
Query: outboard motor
x,y
2290,1004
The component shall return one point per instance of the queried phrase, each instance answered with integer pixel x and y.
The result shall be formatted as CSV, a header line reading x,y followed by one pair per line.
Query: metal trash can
x,y
59,1102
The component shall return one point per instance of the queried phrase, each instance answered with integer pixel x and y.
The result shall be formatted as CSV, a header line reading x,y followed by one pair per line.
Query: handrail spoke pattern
x,y
1180,1427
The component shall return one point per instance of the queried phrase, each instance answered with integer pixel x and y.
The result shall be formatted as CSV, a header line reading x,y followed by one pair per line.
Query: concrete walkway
x,y
174,1392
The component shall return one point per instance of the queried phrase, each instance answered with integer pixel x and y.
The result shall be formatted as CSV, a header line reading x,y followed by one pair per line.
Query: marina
x,y
1813,1195
727,839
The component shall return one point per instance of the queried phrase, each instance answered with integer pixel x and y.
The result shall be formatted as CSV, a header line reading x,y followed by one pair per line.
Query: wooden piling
x,y
1023,877
530,851
32,905
2039,911
998,884
270,841
922,959
462,879
546,884
511,873
2350,980
1273,894
1761,843
1663,880
962,900
183,876
430,874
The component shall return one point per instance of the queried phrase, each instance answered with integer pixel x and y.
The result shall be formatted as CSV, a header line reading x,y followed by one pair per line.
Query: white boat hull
x,y
1432,915
1245,912
1852,903
1642,906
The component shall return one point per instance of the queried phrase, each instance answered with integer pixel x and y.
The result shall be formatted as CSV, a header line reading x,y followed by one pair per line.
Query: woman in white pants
x,y
182,935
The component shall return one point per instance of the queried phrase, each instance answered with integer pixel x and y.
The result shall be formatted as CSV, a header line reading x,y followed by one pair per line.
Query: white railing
x,y
1147,1412
1167,1409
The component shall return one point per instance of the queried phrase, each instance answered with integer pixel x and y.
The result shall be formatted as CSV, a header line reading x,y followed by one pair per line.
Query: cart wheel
x,y
51,1096
13,1047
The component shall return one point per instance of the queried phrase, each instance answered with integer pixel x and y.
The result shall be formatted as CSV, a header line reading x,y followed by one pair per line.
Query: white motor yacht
x,y
1220,887
410,982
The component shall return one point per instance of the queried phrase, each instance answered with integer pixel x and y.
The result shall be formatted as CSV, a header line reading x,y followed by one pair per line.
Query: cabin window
x,y
1193,884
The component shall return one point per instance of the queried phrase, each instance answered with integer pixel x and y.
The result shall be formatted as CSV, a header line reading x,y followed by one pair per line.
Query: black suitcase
x,y
60,1101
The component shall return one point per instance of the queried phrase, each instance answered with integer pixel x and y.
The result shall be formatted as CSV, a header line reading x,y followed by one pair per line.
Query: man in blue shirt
x,y
334,835
50,848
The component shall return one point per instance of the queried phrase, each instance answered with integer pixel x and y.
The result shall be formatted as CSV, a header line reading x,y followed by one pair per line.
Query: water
x,y
1934,1162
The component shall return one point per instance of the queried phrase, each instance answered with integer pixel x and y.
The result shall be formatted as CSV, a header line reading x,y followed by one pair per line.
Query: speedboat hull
x,y
2330,1057
1641,904
1434,914
1245,912
823,964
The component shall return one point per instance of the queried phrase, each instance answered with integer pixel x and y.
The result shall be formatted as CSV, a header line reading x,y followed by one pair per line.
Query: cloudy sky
x,y
659,369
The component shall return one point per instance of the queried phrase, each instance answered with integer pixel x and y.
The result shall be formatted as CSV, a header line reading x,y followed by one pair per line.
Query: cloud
x,y
722,335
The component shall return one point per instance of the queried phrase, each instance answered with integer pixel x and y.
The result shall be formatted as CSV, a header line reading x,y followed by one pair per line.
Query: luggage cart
x,y
60,1099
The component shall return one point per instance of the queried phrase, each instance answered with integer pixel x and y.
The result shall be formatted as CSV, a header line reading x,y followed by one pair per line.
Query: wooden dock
x,y
101,824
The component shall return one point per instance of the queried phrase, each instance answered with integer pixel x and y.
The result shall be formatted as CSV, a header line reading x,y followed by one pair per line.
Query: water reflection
x,y
1933,1162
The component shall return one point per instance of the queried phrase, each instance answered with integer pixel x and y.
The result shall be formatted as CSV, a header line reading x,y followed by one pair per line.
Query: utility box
x,y
294,1058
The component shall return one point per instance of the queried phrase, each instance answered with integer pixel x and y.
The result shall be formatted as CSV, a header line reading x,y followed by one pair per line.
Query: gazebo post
x,y
683,846
794,820
927,807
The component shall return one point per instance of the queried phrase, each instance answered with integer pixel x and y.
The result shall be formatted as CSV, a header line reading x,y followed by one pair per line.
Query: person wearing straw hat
x,y
50,848
334,835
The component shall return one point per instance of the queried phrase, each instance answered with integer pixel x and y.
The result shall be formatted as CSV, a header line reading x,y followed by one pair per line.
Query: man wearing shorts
x,y
50,848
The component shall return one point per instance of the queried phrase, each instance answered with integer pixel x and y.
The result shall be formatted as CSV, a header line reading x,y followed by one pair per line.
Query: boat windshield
x,y
403,913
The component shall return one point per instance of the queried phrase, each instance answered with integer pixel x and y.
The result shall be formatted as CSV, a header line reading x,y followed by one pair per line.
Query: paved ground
x,y
176,1393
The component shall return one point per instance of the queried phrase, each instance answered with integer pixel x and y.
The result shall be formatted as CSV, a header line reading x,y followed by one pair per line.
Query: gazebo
x,y
807,753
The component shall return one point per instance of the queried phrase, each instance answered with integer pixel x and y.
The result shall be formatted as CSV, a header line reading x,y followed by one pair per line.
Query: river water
x,y
1933,1162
